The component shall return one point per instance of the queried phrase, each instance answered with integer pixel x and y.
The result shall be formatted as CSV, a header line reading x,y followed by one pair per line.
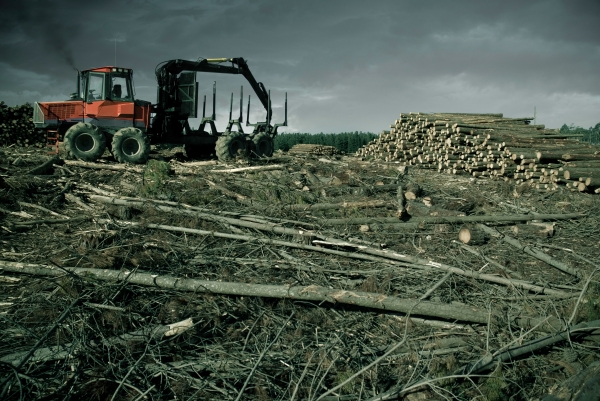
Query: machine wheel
x,y
84,141
130,145
199,151
230,146
262,145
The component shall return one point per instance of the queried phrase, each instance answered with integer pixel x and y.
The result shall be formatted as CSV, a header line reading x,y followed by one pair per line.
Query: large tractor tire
x,y
130,145
262,145
230,146
84,141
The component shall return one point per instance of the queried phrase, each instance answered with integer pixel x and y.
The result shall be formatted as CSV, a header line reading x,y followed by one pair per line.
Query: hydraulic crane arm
x,y
167,72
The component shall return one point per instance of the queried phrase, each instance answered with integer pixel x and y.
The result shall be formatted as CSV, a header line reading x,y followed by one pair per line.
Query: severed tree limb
x,y
58,352
52,221
254,168
489,260
43,209
435,286
95,189
536,253
306,293
47,165
75,199
238,197
197,164
101,166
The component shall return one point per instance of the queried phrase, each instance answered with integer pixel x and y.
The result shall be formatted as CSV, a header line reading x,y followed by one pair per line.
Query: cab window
x,y
95,87
119,88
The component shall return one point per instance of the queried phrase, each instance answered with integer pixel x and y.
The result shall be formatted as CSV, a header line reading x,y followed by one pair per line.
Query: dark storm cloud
x,y
347,65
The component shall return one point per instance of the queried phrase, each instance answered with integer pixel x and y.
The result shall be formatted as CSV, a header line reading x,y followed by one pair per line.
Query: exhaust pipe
x,y
78,94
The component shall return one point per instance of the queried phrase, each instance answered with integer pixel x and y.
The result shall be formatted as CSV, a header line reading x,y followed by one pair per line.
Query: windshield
x,y
120,87
95,87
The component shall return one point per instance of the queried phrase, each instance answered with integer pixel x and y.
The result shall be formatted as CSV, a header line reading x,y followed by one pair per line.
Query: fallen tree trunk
x,y
454,219
254,168
100,166
306,293
344,205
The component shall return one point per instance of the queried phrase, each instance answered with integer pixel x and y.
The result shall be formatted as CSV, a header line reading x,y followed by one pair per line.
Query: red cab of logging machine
x,y
104,98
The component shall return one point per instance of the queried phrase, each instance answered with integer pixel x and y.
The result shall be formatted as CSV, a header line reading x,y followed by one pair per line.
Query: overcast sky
x,y
347,65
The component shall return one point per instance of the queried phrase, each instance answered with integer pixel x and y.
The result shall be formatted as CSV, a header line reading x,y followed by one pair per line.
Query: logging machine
x,y
104,113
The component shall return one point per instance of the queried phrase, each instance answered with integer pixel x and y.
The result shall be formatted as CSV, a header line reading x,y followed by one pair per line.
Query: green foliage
x,y
494,388
348,142
591,135
348,388
154,179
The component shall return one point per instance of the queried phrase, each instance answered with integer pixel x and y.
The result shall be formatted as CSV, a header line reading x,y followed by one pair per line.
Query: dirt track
x,y
111,339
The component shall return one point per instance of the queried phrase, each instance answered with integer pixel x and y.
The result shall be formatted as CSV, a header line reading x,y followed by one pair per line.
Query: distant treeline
x,y
348,142
591,135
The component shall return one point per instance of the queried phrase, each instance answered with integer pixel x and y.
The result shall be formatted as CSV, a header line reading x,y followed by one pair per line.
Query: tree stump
x,y
413,191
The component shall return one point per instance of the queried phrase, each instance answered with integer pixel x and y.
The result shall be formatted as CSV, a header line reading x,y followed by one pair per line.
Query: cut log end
x,y
472,236
544,230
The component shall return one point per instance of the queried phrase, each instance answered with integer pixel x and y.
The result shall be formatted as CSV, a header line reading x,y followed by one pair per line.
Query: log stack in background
x,y
489,145
16,127
319,150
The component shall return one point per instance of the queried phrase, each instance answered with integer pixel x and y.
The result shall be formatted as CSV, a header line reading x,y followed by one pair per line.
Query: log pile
x,y
490,145
311,149
16,127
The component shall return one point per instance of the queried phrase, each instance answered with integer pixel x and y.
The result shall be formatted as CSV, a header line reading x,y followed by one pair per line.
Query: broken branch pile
x,y
490,145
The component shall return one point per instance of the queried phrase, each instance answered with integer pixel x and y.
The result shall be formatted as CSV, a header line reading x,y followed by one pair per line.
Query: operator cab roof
x,y
109,69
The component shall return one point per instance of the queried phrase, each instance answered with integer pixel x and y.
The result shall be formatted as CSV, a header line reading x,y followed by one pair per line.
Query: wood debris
x,y
298,277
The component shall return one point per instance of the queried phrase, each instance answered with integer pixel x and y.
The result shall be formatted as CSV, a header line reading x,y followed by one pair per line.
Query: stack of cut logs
x,y
488,145
319,150
16,127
